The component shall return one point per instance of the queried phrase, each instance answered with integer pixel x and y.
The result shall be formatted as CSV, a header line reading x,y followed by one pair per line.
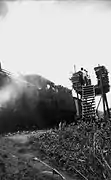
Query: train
x,y
33,102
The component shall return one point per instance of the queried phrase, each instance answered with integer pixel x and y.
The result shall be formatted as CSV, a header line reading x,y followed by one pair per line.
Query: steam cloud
x,y
10,92
29,86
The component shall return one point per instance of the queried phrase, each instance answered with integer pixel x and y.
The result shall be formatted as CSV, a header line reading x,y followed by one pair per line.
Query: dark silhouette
x,y
38,107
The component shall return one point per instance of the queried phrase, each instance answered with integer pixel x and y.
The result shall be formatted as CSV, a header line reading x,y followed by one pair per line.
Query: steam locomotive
x,y
36,102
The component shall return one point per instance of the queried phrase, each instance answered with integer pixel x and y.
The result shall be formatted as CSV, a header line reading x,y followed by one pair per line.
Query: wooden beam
x,y
102,92
107,106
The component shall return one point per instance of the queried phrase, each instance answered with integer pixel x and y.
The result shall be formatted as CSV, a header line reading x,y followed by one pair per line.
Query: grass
x,y
82,150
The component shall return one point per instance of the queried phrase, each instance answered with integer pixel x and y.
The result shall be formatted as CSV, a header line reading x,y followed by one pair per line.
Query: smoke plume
x,y
17,87
10,92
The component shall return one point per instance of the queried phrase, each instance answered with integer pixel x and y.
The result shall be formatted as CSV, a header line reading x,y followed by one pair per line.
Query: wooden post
x,y
103,96
78,104
107,106
98,106
74,68
99,103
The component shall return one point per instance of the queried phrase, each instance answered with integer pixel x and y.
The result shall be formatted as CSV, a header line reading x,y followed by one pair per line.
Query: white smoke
x,y
10,92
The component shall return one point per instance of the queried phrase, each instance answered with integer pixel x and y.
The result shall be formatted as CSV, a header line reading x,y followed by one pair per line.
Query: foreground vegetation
x,y
83,150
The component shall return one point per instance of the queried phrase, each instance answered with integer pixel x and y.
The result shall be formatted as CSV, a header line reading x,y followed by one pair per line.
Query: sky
x,y
50,37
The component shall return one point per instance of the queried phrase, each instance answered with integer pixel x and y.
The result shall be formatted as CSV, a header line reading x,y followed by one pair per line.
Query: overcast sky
x,y
49,37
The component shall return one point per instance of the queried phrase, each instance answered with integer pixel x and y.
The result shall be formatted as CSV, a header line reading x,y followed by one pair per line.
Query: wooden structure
x,y
103,86
100,89
76,85
88,102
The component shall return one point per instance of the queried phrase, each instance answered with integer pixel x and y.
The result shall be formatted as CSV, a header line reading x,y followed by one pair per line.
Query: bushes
x,y
84,150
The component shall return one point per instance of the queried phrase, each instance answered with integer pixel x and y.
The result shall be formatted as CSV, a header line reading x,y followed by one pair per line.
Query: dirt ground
x,y
18,160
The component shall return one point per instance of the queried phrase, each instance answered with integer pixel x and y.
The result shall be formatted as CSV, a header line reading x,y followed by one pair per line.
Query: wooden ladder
x,y
88,102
